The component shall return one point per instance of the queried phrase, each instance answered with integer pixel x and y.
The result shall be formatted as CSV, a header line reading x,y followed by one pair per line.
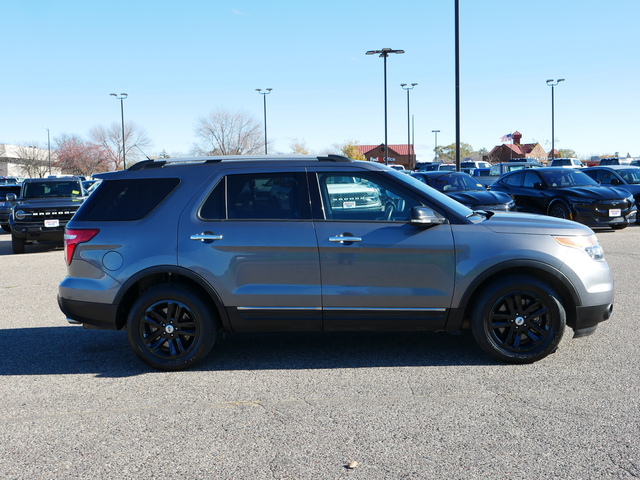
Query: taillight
x,y
74,237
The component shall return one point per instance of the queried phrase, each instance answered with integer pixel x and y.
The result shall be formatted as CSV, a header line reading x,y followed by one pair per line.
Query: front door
x,y
378,271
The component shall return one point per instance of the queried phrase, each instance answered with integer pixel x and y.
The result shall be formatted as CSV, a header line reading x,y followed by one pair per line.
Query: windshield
x,y
44,189
448,202
454,183
568,178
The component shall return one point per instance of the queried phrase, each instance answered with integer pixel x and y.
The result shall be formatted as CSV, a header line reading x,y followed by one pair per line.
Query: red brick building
x,y
404,155
510,151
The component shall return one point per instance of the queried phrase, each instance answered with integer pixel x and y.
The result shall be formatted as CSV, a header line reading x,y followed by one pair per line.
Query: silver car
x,y
176,251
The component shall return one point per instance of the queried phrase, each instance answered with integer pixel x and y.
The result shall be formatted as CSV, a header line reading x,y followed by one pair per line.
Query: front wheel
x,y
171,328
559,210
518,319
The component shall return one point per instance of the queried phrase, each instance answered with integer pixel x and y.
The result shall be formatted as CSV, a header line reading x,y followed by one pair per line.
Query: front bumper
x,y
587,318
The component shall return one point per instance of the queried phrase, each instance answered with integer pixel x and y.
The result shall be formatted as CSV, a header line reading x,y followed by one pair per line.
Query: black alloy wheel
x,y
518,319
171,328
559,210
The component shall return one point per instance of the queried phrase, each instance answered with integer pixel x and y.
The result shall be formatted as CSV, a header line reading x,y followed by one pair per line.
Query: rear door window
x,y
259,196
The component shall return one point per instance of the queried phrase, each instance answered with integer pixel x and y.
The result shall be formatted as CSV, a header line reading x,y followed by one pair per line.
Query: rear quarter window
x,y
126,199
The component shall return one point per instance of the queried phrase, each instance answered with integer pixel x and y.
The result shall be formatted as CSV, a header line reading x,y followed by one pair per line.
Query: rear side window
x,y
126,199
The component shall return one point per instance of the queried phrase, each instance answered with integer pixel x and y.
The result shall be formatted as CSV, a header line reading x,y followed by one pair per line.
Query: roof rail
x,y
147,164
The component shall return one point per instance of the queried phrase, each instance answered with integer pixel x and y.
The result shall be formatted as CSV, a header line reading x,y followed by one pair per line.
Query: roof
x,y
400,149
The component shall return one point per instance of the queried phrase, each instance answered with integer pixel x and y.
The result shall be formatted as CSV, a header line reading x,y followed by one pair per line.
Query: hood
x,y
51,202
530,224
480,197
594,192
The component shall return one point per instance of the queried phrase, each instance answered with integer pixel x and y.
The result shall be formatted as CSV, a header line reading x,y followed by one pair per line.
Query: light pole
x,y
552,83
48,148
384,53
408,88
121,98
435,149
264,98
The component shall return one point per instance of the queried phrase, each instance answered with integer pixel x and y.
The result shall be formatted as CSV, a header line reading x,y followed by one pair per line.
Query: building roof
x,y
398,149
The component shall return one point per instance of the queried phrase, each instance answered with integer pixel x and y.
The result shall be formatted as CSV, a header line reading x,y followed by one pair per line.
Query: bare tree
x,y
229,133
110,139
74,155
35,160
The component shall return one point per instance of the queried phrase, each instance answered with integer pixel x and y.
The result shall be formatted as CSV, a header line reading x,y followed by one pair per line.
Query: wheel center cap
x,y
519,321
169,329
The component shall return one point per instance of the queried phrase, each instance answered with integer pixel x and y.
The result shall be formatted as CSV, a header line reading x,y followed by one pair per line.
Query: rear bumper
x,y
91,315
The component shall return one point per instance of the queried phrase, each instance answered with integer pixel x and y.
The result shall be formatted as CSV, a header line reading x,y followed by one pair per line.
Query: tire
x,y
518,319
17,244
6,227
171,328
559,210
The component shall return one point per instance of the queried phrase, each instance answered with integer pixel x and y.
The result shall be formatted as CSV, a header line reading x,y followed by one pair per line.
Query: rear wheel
x,y
171,328
518,319
17,244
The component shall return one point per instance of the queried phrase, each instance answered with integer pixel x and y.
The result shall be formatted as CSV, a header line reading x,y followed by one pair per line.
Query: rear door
x,y
252,238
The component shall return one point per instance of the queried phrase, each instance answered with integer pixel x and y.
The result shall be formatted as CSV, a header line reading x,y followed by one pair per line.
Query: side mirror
x,y
538,186
424,216
616,181
11,197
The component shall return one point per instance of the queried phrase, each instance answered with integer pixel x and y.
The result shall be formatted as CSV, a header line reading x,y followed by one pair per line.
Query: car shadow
x,y
74,350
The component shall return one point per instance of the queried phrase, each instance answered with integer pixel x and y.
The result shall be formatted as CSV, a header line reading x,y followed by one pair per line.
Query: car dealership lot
x,y
77,403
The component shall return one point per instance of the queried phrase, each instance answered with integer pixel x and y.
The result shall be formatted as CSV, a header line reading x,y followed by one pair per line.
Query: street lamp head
x,y
403,84
113,94
266,92
560,80
414,84
384,52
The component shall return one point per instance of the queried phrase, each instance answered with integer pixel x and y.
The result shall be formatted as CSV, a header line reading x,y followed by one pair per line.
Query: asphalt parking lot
x,y
77,404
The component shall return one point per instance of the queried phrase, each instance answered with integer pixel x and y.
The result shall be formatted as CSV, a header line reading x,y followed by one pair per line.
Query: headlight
x,y
19,214
588,243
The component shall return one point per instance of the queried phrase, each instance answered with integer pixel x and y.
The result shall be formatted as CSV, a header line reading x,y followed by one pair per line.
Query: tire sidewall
x,y
204,316
489,297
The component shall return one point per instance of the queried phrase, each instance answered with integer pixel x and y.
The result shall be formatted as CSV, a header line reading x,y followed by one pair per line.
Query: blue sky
x,y
180,60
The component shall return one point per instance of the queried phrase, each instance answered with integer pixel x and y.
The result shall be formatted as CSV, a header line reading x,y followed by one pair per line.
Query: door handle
x,y
345,238
205,237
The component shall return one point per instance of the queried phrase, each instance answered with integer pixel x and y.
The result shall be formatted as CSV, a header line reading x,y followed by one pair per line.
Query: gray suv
x,y
176,251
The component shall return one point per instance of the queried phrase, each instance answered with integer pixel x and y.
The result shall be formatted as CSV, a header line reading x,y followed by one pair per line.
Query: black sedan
x,y
466,190
623,176
567,193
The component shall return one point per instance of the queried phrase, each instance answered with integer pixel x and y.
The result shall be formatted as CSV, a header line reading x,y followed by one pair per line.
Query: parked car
x,y
614,161
568,193
449,167
6,205
470,166
566,163
44,208
499,169
177,251
465,189
622,176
